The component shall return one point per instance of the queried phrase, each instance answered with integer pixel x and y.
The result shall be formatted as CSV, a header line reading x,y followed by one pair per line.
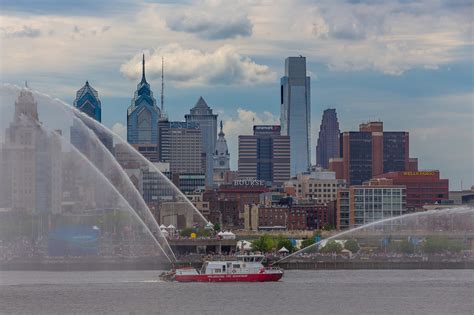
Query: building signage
x,y
248,182
419,173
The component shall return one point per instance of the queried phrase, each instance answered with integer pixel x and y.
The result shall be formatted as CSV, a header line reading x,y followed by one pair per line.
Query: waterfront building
x,y
221,159
295,114
422,187
369,152
327,146
265,155
318,184
143,114
202,114
375,200
31,162
462,197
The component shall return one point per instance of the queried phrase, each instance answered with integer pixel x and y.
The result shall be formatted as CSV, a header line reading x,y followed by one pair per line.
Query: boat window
x,y
223,268
236,266
217,271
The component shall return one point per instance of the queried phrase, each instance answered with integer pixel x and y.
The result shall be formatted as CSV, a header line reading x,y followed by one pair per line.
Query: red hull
x,y
261,277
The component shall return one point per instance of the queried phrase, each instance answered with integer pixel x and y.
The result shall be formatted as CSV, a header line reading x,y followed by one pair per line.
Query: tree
x,y
406,247
352,245
328,227
332,247
285,242
217,227
307,242
263,244
439,245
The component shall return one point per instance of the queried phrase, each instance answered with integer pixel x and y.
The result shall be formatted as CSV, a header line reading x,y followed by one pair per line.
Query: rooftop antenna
x,y
162,84
26,84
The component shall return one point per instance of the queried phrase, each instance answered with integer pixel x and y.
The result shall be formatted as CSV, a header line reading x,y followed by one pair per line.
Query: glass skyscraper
x,y
143,114
87,101
295,116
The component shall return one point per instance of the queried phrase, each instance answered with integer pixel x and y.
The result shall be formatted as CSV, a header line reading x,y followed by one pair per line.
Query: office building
x,y
265,155
422,187
370,152
295,113
143,114
202,114
221,159
375,200
327,146
87,101
31,162
181,146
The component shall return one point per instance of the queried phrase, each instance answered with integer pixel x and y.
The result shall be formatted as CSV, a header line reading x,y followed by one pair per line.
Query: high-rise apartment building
x,y
328,140
265,155
221,159
295,114
370,152
143,114
375,200
202,114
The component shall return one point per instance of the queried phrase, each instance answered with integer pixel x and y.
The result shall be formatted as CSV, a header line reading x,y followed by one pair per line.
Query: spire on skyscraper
x,y
143,69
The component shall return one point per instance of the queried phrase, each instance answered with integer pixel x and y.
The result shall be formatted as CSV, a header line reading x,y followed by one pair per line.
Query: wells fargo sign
x,y
419,173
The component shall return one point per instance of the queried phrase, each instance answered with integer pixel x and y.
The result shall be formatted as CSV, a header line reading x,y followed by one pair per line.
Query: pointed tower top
x,y
87,82
143,68
26,84
221,125
221,132
162,84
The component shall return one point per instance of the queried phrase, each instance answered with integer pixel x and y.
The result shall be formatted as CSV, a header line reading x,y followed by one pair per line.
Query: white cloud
x,y
223,66
241,123
208,25
120,129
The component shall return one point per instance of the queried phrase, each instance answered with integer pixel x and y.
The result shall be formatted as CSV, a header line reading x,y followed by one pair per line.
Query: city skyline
x,y
425,95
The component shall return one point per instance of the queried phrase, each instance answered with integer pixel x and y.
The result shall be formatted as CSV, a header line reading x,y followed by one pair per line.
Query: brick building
x,y
422,187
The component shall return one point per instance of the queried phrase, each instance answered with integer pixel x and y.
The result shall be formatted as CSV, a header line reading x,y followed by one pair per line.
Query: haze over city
x,y
406,63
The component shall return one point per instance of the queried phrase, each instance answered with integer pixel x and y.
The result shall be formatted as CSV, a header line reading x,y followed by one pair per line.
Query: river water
x,y
299,292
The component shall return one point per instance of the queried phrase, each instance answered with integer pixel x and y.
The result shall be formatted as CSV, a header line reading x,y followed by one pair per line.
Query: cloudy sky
x,y
408,63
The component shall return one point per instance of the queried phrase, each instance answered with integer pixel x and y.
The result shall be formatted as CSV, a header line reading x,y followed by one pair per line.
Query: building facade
x,y
422,187
311,216
221,159
87,101
318,185
375,200
202,114
370,152
31,162
327,146
143,114
265,155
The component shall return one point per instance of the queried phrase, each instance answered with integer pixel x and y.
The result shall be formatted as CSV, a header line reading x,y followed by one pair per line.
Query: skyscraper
x,y
295,116
87,101
221,159
265,155
328,140
143,114
202,114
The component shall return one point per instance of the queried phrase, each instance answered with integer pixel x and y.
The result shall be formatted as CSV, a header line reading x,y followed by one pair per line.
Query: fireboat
x,y
246,268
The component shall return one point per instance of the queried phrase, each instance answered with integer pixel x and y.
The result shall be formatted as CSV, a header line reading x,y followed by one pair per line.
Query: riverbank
x,y
153,264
